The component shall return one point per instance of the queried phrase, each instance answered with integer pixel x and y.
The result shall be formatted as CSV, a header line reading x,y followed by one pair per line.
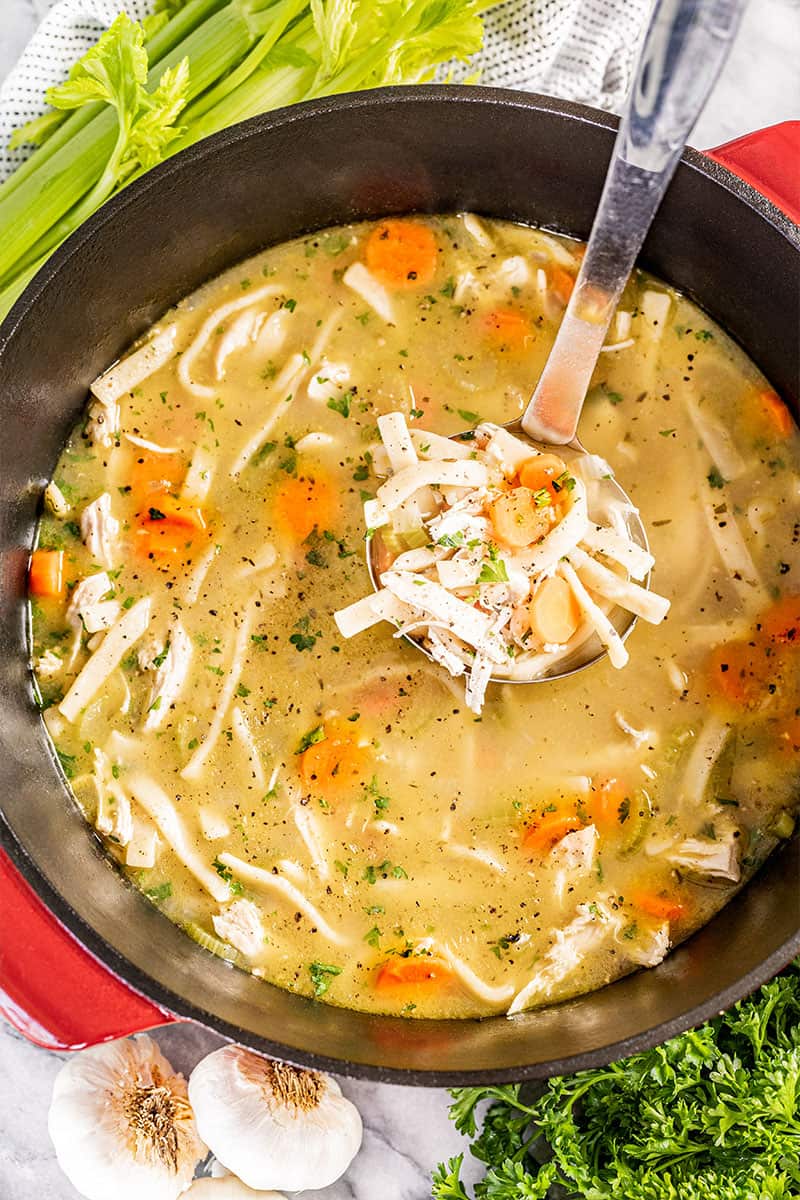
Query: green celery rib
x,y
266,88
160,44
42,200
284,12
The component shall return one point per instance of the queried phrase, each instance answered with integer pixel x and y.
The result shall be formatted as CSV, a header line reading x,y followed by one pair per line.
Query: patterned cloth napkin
x,y
577,49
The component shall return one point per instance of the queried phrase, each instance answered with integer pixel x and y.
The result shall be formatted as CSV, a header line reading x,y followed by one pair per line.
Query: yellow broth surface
x,y
372,842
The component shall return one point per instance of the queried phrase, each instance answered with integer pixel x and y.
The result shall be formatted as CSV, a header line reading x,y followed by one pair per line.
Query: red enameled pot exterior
x,y
64,996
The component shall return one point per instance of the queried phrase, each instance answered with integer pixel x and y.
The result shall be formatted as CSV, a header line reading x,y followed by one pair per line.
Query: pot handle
x,y
53,991
768,160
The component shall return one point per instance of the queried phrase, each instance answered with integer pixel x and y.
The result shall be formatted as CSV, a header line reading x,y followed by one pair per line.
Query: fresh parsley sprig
x,y
712,1113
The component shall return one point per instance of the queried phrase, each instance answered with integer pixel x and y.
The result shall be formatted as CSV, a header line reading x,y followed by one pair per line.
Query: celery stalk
x,y
280,17
157,47
32,209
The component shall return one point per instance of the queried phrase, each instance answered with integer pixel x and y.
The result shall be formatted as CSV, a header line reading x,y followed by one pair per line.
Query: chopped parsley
x,y
311,738
227,874
303,639
493,569
67,763
715,479
322,976
341,404
162,891
373,792
472,418
383,870
161,658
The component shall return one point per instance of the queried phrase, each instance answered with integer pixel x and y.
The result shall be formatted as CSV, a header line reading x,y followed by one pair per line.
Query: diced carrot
x,y
776,412
562,284
153,474
163,539
509,329
516,518
176,512
420,970
402,254
304,502
781,622
739,673
168,527
46,576
548,830
662,908
540,472
554,612
605,804
337,764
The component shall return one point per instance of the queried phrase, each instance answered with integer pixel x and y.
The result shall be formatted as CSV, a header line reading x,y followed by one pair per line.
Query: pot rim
x,y
104,951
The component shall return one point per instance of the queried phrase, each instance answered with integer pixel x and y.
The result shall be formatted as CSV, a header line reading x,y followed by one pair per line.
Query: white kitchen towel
x,y
577,49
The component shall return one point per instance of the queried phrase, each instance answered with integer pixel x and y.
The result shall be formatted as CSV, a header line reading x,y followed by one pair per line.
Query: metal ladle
x,y
685,47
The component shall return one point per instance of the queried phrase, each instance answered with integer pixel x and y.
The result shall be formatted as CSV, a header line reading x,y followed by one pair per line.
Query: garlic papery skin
x,y
121,1124
271,1124
228,1187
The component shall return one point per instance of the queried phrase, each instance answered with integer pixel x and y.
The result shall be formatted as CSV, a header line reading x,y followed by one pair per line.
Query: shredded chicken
x,y
240,924
171,671
705,858
99,530
88,609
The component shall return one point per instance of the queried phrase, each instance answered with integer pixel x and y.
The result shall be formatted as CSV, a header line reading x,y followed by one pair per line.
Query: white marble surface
x,y
406,1130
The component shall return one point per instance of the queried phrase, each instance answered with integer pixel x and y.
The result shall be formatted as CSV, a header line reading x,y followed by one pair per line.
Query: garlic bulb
x,y
121,1124
227,1188
273,1125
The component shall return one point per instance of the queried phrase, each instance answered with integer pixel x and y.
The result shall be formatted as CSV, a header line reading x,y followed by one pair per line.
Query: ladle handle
x,y
683,52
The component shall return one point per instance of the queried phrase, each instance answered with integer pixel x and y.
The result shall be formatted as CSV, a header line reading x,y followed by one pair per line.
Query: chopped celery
x,y
634,830
416,538
397,543
783,825
213,944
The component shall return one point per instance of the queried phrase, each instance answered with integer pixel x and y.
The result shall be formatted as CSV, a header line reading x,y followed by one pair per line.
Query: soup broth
x,y
329,814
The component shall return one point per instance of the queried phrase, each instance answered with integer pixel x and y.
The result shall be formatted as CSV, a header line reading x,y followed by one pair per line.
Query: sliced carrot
x,y
781,622
739,673
420,970
176,512
662,908
46,576
554,612
517,519
548,830
304,502
153,474
776,412
540,472
163,539
402,254
562,284
608,796
509,329
337,764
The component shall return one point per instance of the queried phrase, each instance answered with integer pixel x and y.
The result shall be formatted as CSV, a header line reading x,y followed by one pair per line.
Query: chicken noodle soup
x,y
326,812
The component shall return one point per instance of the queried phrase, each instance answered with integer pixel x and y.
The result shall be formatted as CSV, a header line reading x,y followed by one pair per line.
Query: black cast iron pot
x,y
525,158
